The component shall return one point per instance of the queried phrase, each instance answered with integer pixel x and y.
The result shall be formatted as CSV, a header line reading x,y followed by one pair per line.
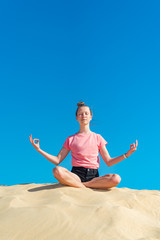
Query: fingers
x,y
134,145
30,138
33,140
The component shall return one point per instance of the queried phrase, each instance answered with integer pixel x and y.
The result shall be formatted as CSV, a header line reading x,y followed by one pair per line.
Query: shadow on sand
x,y
59,185
46,187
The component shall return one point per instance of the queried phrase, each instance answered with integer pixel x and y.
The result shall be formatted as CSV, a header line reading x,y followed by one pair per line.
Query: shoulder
x,y
100,140
68,141
97,135
71,137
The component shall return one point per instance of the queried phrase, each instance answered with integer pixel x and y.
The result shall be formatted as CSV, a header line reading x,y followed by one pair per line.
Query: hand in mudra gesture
x,y
133,148
35,145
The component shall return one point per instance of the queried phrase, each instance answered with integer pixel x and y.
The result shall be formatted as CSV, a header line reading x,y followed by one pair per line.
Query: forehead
x,y
83,109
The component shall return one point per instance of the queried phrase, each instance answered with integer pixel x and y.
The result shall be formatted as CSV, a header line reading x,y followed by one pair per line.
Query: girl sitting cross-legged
x,y
85,147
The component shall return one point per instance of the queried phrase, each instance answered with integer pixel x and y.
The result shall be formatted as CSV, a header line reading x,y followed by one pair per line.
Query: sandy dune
x,y
53,211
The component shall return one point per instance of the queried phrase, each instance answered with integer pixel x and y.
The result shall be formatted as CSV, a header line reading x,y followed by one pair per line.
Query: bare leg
x,y
67,178
104,182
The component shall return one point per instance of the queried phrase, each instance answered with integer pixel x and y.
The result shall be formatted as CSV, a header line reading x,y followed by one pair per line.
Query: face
x,y
84,116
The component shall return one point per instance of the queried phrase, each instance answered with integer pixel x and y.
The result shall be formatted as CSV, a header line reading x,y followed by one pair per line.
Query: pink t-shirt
x,y
85,149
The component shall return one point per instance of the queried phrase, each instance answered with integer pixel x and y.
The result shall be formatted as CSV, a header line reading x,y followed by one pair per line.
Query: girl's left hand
x,y
133,148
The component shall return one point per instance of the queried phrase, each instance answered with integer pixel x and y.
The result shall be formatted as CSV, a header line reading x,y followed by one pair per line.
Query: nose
x,y
83,114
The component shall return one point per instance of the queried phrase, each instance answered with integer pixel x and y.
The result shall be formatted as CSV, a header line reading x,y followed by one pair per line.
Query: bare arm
x,y
111,161
53,159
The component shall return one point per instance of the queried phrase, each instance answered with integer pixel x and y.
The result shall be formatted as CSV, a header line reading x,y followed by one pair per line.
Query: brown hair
x,y
82,104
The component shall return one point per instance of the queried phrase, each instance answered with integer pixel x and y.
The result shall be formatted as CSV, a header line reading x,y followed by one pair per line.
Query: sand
x,y
56,212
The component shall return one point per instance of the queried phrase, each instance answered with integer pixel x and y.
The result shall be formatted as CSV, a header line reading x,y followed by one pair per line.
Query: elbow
x,y
108,162
57,161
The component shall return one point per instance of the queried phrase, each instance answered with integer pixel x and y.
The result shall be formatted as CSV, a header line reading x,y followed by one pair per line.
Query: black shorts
x,y
85,174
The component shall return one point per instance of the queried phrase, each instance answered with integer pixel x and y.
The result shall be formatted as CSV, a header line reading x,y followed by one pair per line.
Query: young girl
x,y
85,147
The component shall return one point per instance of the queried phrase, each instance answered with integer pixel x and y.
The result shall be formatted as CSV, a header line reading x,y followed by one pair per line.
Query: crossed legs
x,y
70,179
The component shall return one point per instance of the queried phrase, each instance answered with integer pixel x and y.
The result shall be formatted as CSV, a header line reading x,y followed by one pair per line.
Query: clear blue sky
x,y
56,53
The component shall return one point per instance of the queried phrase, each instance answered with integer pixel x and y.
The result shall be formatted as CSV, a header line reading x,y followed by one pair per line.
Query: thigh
x,y
75,176
103,182
63,170
108,177
80,172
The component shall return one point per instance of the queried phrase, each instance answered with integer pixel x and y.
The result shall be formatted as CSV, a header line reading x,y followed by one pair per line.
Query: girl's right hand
x,y
35,145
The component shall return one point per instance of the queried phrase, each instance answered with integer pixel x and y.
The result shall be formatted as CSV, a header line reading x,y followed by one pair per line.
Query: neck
x,y
84,129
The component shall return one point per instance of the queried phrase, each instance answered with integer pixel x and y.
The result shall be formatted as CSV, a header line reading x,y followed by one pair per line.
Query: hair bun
x,y
80,104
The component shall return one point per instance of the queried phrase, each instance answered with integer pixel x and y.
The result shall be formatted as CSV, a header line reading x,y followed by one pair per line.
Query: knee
x,y
116,179
57,171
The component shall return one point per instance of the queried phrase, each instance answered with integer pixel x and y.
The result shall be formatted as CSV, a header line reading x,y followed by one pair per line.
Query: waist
x,y
85,161
85,169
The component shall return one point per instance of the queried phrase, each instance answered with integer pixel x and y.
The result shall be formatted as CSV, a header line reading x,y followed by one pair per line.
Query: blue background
x,y
56,53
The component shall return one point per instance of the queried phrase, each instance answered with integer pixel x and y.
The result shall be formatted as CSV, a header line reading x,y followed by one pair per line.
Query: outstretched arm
x,y
111,161
53,159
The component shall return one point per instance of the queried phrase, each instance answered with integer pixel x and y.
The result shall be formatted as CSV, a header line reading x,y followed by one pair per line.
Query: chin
x,y
85,123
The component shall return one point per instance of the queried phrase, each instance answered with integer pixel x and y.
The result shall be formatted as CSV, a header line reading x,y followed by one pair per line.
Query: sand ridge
x,y
54,211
